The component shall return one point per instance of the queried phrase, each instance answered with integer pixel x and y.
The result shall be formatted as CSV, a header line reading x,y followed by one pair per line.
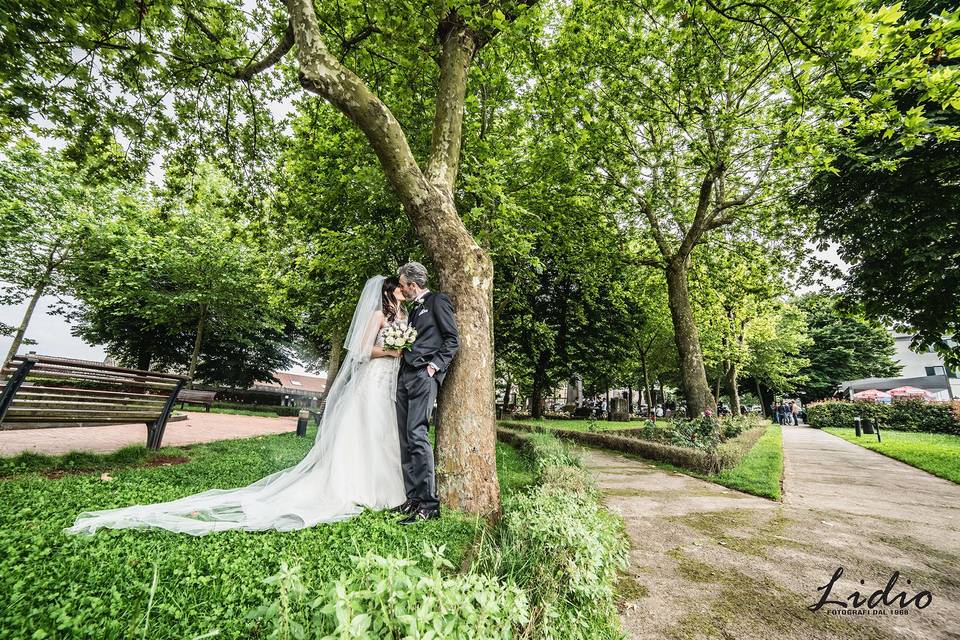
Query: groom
x,y
422,371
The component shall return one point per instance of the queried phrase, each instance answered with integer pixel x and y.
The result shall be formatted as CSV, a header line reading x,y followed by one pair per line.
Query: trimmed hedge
x,y
726,456
900,415
277,409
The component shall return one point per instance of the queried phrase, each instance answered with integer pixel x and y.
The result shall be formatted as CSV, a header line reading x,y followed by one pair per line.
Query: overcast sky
x,y
53,336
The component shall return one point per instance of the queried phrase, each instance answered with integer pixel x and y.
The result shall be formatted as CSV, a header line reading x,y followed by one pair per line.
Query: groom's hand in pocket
x,y
431,370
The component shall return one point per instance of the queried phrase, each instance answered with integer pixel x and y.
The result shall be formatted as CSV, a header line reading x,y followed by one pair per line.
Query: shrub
x,y
697,433
547,451
567,552
390,597
561,546
900,415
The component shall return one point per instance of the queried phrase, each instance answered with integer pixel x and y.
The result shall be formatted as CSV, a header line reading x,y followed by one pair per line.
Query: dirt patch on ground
x,y
709,562
158,461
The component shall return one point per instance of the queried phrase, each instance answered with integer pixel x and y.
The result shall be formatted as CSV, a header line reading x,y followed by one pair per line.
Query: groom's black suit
x,y
437,342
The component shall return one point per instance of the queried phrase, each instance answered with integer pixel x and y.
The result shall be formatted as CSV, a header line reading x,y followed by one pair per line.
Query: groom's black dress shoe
x,y
407,507
421,515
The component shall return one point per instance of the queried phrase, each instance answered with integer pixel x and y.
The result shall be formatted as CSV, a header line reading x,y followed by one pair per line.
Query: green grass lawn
x,y
936,453
759,471
57,586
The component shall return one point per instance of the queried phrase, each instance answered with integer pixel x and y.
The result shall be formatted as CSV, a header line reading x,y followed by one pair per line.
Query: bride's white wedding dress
x,y
354,463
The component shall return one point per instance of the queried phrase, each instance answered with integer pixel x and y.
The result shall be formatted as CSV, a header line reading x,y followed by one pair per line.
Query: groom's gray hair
x,y
414,272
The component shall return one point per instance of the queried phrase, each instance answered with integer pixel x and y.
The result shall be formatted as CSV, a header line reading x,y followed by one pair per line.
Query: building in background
x,y
928,364
298,390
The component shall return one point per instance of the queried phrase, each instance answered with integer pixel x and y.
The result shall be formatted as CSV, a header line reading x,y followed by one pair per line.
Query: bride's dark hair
x,y
387,301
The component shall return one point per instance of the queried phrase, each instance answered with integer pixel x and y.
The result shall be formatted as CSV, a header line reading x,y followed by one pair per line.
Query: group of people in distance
x,y
787,412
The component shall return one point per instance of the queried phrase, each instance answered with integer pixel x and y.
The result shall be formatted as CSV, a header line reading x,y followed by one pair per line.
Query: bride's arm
x,y
378,351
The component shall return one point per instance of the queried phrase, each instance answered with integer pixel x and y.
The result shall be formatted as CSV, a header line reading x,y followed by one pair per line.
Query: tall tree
x,y
688,117
901,179
43,204
842,347
355,56
174,283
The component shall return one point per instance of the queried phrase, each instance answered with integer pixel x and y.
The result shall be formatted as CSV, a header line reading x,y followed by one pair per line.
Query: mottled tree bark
x,y
693,376
25,322
732,372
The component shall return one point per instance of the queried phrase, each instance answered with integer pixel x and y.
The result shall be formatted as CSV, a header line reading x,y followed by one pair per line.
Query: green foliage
x,y
702,433
562,547
393,597
175,283
99,587
902,415
547,451
938,454
842,347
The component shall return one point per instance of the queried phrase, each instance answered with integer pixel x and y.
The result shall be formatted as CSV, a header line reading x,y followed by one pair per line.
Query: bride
x,y
354,463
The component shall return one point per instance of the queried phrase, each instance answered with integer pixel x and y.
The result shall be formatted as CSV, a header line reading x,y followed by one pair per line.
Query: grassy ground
x,y
760,471
55,585
936,453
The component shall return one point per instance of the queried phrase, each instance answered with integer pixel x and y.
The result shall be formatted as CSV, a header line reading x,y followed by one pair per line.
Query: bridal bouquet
x,y
399,336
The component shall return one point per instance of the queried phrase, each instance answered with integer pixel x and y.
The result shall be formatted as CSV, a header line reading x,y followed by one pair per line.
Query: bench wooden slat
x,y
98,422
76,370
50,360
41,391
190,394
70,368
108,382
20,413
23,403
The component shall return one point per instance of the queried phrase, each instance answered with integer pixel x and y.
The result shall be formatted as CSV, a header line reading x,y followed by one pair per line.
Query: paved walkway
x,y
710,562
198,427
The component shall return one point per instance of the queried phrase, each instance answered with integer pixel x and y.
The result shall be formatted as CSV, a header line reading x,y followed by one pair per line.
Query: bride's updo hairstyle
x,y
387,300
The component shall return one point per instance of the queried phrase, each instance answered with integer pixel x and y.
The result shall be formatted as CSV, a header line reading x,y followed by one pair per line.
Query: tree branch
x,y
272,58
322,73
458,47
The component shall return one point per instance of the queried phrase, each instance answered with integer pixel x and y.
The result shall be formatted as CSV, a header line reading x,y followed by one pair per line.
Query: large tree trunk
x,y
763,403
732,372
25,322
646,381
466,434
333,364
539,385
144,356
201,325
693,376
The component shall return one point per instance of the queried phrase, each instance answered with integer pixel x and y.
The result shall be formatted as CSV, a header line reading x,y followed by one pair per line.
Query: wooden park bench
x,y
189,396
44,392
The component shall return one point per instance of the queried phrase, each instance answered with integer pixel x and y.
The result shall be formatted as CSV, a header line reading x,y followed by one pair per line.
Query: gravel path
x,y
198,427
710,562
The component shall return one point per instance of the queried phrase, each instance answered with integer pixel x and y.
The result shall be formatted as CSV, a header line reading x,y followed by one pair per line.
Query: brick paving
x,y
198,427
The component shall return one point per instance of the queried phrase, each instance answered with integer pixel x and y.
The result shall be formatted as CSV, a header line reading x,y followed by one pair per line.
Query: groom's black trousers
x,y
416,393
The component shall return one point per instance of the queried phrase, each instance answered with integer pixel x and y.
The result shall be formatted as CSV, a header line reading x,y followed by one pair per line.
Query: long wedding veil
x,y
297,497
